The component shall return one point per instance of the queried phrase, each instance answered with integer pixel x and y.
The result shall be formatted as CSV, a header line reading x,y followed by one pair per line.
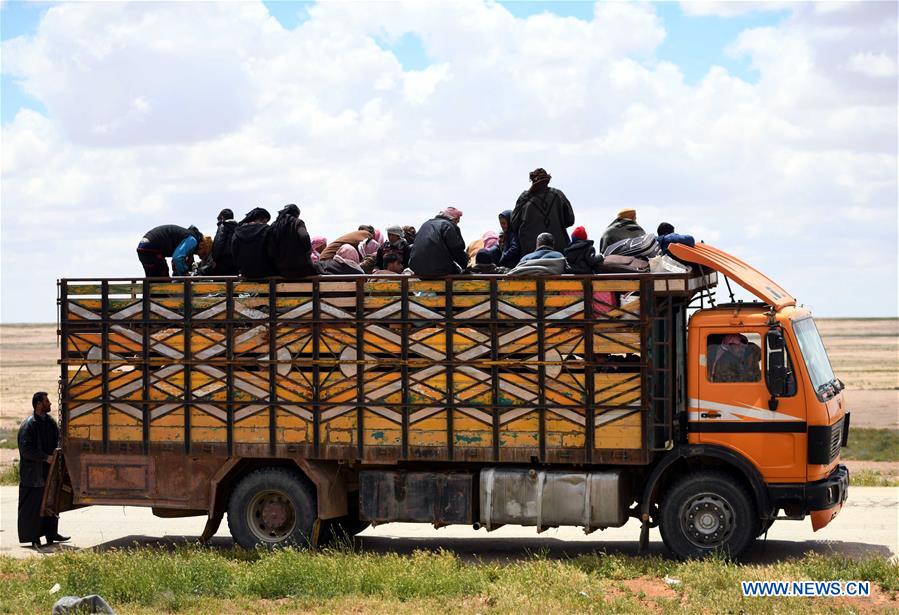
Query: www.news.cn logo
x,y
806,588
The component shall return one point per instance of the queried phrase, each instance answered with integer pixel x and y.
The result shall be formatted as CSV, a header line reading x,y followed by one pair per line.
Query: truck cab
x,y
761,386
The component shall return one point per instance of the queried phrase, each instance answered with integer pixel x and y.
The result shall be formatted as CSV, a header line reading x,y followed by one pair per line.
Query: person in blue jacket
x,y
667,236
171,241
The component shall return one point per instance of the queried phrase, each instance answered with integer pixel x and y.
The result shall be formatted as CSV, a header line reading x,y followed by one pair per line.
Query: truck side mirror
x,y
776,366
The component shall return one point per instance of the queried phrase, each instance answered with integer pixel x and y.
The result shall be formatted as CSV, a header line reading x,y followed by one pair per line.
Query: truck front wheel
x,y
705,513
272,507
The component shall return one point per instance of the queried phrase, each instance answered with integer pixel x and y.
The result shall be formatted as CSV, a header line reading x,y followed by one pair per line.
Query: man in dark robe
x,y
38,438
541,209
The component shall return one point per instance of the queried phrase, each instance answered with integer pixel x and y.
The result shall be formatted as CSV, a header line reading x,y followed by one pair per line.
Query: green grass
x,y
10,474
871,478
9,438
872,444
201,580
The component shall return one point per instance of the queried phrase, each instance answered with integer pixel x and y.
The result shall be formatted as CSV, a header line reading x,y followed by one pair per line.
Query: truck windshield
x,y
813,353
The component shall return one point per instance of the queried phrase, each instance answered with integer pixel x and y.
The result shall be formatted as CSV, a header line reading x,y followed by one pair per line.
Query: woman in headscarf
x,y
318,244
488,241
345,262
509,247
368,251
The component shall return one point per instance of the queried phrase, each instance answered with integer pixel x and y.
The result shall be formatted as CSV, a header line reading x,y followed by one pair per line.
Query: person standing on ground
x,y
541,209
38,438
439,248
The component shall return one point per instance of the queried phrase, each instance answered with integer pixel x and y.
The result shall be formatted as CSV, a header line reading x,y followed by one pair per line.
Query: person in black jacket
x,y
541,209
624,226
395,244
171,241
221,261
289,245
580,253
249,245
439,248
38,438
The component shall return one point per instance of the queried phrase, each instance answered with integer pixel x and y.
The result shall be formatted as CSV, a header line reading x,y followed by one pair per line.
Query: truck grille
x,y
824,443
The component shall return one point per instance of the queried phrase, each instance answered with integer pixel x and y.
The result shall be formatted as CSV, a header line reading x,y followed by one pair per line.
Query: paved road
x,y
869,524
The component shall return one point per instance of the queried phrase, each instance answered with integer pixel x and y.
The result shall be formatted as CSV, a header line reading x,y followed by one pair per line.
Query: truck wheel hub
x,y
271,516
708,520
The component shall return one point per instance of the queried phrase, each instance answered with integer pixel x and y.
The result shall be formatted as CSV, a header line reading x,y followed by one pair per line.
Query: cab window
x,y
734,357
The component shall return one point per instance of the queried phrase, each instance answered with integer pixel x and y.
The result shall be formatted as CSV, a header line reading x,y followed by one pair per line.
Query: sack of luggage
x,y
666,264
645,247
616,263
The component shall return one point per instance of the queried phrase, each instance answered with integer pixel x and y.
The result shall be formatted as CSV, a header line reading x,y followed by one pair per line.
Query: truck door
x,y
732,408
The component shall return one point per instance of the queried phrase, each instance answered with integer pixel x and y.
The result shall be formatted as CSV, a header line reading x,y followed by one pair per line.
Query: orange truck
x,y
307,408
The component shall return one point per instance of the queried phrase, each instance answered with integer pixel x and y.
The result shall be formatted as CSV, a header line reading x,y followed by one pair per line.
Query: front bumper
x,y
822,499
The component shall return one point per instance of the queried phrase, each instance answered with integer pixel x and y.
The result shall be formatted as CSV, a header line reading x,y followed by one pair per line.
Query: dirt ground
x,y
864,353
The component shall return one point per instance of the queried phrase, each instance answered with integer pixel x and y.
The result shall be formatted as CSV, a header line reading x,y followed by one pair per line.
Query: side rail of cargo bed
x,y
374,369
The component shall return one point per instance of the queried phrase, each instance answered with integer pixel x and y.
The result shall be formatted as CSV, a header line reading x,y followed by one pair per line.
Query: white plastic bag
x,y
666,264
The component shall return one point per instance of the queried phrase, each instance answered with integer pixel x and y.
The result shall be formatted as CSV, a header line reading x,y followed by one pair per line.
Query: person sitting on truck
x,y
395,244
171,241
581,255
624,226
345,262
541,209
368,252
489,240
318,244
38,438
393,265
667,236
289,246
511,250
439,248
221,260
249,245
409,234
545,260
485,262
353,238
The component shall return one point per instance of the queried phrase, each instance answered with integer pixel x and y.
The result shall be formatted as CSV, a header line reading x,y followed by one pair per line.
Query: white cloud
x,y
872,64
736,8
165,113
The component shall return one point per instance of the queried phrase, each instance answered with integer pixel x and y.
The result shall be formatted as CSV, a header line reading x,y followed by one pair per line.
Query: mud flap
x,y
212,526
58,495
644,535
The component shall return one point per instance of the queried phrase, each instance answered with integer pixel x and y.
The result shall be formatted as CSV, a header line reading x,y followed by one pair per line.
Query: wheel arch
x,y
328,479
685,459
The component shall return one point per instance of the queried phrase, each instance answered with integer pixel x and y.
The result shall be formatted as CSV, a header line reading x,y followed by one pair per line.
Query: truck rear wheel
x,y
705,513
272,507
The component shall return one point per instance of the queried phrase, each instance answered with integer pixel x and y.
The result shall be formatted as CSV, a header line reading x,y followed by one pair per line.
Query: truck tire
x,y
272,507
705,513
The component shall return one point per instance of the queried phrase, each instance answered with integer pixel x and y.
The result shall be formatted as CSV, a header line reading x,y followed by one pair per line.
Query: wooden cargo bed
x,y
378,369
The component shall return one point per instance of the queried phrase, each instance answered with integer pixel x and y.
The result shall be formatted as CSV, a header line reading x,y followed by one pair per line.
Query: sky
x,y
766,129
